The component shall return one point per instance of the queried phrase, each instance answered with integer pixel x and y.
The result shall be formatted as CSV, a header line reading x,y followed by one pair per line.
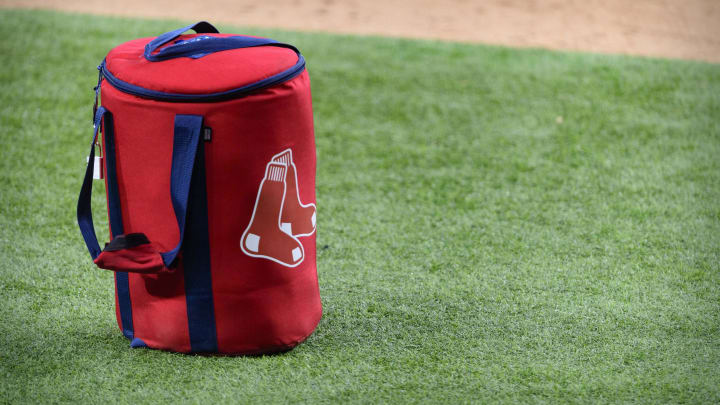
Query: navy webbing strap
x,y
185,146
196,264
201,27
84,210
202,45
122,279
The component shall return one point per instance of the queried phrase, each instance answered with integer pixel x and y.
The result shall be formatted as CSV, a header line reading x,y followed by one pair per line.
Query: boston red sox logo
x,y
279,217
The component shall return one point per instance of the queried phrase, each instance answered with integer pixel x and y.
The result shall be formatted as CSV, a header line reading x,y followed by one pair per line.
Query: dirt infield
x,y
687,29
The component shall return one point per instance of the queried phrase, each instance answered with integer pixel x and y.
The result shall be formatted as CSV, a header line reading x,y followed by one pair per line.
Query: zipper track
x,y
139,91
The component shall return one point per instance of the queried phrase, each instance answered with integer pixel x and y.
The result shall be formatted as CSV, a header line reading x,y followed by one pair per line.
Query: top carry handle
x,y
201,45
134,252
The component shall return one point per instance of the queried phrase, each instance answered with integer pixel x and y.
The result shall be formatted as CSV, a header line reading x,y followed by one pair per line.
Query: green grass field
x,y
473,246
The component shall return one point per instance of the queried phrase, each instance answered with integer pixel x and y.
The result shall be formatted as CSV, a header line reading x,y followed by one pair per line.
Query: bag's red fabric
x,y
261,303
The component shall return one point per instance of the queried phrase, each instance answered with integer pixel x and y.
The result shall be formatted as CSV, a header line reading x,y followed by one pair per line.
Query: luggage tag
x,y
98,164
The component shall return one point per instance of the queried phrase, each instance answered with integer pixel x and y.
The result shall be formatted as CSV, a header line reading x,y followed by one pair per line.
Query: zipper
x,y
135,90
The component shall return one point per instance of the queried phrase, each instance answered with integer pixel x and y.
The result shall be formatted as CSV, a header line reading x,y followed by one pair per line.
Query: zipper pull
x,y
97,91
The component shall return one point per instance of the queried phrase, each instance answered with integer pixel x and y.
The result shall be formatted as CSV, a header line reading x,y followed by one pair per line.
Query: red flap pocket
x,y
132,253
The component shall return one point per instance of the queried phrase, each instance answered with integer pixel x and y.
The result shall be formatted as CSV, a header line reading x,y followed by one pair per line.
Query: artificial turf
x,y
495,225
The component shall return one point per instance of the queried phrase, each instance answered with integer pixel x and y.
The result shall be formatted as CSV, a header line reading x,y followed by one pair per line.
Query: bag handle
x,y
201,27
120,257
202,45
186,140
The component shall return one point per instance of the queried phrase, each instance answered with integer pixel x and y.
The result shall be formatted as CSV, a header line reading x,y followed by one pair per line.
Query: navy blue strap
x,y
122,283
84,210
185,146
201,27
201,45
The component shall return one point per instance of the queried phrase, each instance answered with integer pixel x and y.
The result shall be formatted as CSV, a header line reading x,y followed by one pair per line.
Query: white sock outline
x,y
297,188
252,219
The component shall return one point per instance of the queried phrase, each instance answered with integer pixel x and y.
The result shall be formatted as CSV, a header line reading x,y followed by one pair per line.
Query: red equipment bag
x,y
209,166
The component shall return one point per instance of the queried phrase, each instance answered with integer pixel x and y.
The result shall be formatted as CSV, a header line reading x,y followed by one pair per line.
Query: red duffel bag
x,y
209,166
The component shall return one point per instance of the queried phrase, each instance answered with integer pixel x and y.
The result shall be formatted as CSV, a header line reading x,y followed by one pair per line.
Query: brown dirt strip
x,y
687,29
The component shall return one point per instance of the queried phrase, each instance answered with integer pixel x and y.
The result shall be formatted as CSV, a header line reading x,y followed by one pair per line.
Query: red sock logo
x,y
279,217
297,219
